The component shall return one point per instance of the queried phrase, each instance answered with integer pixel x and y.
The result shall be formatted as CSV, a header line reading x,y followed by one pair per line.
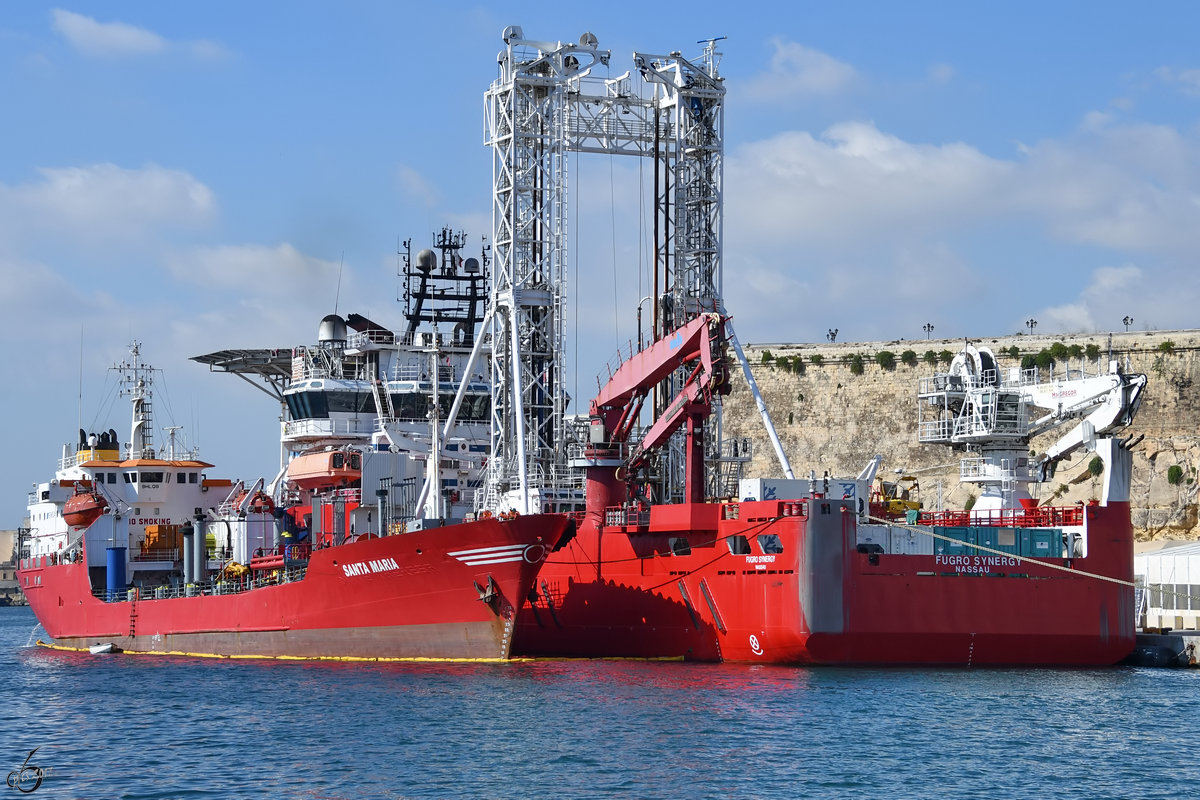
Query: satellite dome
x,y
332,329
426,260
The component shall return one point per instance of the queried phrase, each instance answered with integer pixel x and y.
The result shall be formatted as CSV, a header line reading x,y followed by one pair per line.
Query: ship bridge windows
x,y
308,405
350,402
738,544
680,546
770,543
192,476
476,407
131,477
181,477
415,406
410,405
112,477
152,477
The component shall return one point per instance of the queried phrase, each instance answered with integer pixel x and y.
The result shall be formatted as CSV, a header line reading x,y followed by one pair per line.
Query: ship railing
x,y
736,449
614,362
620,516
157,554
221,586
585,451
982,469
372,336
1041,517
408,371
289,552
934,430
329,427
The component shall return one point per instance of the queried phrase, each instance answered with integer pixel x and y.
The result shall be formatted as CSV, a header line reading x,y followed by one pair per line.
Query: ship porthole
x,y
534,553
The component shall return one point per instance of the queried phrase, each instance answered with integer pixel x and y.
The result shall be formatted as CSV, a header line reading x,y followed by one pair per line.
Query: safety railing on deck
x,y
157,554
221,586
1048,517
626,517
329,427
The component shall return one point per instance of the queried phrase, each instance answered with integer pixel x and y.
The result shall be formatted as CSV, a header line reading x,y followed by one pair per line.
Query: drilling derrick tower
x,y
544,104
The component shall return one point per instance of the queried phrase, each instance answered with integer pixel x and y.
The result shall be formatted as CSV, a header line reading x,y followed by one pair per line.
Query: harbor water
x,y
126,726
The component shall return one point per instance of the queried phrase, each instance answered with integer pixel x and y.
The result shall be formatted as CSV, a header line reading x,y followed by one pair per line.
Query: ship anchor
x,y
489,594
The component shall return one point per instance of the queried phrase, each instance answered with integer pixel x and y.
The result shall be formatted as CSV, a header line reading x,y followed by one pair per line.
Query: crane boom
x,y
700,344
994,414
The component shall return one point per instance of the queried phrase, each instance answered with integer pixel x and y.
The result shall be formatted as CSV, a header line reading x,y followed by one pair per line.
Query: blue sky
x,y
191,175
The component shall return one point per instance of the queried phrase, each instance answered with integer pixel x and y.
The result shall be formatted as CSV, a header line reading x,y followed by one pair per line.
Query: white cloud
x,y
797,70
257,270
855,179
413,185
106,38
856,214
1186,80
941,73
1133,188
1156,298
116,39
103,201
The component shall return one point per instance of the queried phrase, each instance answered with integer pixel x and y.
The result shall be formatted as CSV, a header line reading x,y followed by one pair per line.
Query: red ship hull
x,y
632,591
417,595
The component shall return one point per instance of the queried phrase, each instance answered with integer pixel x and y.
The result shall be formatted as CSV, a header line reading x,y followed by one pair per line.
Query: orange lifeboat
x,y
83,508
326,469
259,503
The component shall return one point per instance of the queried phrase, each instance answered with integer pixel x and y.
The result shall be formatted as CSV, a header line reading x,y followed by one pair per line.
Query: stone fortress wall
x,y
829,418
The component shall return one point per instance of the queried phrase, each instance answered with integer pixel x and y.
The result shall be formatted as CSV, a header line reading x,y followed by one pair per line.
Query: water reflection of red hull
x,y
784,582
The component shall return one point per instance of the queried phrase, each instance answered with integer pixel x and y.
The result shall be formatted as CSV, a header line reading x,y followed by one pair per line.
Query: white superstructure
x,y
993,414
128,489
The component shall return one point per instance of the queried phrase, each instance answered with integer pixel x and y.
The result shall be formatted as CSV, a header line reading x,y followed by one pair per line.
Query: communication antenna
x,y
338,294
79,407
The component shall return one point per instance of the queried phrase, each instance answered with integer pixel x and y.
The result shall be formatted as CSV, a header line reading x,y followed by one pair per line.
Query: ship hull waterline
x,y
393,598
613,592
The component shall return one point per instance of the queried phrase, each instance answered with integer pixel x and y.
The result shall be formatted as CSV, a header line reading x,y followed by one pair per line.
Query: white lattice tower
x,y
543,105
526,111
693,97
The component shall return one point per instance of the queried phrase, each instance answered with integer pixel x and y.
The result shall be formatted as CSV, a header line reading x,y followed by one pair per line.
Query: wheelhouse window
x,y
181,477
152,477
131,477
476,408
680,546
770,543
350,402
410,405
738,545
308,405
